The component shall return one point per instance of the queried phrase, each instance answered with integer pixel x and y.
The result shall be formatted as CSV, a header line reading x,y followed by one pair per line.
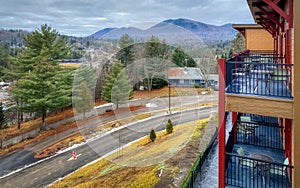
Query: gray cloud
x,y
84,17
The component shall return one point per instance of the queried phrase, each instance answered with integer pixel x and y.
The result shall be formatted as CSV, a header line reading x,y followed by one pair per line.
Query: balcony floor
x,y
254,85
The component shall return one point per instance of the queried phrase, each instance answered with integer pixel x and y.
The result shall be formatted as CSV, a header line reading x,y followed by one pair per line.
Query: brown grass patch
x,y
63,144
164,92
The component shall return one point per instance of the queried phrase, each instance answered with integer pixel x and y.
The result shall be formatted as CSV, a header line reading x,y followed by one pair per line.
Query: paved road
x,y
58,166
21,158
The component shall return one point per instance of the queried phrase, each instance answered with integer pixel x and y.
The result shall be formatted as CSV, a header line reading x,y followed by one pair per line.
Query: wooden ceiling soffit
x,y
268,28
267,24
273,5
269,15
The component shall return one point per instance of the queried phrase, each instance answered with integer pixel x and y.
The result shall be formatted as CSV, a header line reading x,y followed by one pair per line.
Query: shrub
x,y
2,117
169,127
152,135
196,86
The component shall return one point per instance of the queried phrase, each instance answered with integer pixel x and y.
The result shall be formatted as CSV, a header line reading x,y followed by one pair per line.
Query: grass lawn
x,y
143,163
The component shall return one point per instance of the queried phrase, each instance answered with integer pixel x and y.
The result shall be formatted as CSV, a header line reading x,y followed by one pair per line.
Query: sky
x,y
85,17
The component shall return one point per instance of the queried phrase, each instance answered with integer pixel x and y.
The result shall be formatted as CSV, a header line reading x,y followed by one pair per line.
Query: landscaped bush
x,y
152,135
169,127
196,86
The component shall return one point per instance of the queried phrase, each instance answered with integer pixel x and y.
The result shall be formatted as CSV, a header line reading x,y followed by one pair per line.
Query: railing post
x,y
222,121
234,119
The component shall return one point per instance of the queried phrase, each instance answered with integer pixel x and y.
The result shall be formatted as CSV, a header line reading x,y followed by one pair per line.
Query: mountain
x,y
12,37
174,31
102,32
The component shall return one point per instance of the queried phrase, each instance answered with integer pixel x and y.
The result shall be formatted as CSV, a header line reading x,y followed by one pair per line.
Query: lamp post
x,y
169,84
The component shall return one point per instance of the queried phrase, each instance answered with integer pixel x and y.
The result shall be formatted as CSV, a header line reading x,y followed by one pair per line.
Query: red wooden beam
x,y
273,33
291,13
234,123
277,9
222,123
276,1
270,16
268,22
242,31
267,25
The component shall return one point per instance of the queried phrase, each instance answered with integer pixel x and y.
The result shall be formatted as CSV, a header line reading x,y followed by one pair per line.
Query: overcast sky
x,y
84,17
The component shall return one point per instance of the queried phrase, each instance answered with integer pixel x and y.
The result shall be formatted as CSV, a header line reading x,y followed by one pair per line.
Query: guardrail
x,y
259,134
258,78
249,172
197,166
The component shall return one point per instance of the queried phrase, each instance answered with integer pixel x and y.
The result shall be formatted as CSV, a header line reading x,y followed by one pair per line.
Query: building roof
x,y
185,73
247,26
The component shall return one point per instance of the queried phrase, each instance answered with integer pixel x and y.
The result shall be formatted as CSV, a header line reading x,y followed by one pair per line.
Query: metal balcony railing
x,y
259,134
260,162
248,172
259,77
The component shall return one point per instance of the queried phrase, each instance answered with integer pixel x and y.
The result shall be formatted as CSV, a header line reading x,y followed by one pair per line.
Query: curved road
x,y
21,158
47,171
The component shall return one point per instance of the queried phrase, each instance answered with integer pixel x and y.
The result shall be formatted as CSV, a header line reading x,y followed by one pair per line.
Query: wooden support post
x,y
222,123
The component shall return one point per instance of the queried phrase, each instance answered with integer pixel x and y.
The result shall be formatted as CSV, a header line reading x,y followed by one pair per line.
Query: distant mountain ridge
x,y
172,30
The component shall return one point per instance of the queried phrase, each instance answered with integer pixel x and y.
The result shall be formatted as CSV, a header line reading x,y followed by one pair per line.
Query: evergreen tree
x,y
83,101
4,53
169,127
85,73
126,55
117,88
156,48
181,59
2,117
156,65
41,84
152,135
238,44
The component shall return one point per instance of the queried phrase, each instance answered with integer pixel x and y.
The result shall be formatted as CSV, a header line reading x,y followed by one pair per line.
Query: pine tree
x,y
156,65
181,59
238,44
117,88
85,73
41,84
169,127
152,135
125,55
2,117
83,101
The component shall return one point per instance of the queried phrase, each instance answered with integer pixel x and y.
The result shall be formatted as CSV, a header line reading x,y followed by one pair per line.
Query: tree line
x,y
40,85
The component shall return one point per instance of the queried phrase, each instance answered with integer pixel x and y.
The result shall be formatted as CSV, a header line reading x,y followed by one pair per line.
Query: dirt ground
x,y
186,157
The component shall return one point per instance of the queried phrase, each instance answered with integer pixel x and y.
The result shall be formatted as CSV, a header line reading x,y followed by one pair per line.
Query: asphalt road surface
x,y
48,171
21,158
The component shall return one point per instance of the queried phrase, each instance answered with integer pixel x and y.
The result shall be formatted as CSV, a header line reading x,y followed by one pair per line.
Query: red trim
x,y
288,139
277,9
270,16
222,123
291,13
234,118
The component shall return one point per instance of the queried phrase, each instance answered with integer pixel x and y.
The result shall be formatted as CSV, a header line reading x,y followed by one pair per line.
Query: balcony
x,y
255,83
255,154
261,75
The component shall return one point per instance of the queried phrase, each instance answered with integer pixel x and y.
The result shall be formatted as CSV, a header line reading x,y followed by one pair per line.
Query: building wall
x,y
186,83
259,39
296,121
